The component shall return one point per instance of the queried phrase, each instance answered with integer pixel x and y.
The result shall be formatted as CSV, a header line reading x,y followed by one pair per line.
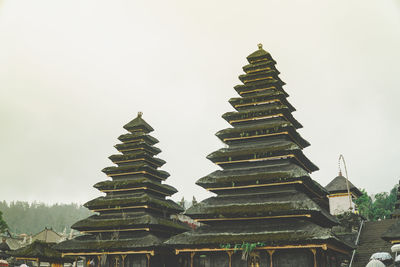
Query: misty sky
x,y
72,73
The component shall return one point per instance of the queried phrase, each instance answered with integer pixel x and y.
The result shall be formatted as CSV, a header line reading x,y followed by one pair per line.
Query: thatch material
x,y
40,251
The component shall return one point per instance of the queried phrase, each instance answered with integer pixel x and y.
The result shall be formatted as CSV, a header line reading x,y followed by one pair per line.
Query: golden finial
x,y
259,46
139,114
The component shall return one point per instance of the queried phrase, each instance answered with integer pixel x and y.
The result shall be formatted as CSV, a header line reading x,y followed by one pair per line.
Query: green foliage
x,y
245,247
23,217
380,208
3,224
364,205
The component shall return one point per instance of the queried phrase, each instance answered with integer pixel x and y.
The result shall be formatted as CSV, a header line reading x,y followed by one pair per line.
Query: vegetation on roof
x,y
132,183
97,243
137,136
98,222
134,200
41,250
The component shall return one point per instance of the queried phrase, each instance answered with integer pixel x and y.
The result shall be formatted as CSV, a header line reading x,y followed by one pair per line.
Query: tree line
x,y
377,207
31,218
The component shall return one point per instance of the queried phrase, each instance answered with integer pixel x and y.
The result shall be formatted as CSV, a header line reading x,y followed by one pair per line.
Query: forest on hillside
x,y
31,218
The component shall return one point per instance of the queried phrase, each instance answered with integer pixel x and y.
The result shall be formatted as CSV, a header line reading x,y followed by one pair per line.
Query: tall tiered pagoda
x,y
133,218
267,210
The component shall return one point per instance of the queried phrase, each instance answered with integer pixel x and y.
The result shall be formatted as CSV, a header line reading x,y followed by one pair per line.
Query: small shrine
x,y
342,194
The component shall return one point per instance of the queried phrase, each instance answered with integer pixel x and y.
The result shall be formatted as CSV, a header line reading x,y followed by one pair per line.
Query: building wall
x,y
339,204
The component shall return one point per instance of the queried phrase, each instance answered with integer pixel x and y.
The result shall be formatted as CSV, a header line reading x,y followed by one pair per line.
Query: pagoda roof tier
x,y
126,148
273,233
138,125
259,55
278,173
281,203
261,113
256,152
140,155
129,222
136,169
260,66
92,243
261,99
134,185
133,201
136,137
254,89
270,76
256,86
261,130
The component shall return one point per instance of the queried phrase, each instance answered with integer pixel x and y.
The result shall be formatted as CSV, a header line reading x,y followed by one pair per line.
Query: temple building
x,y
342,194
267,210
133,219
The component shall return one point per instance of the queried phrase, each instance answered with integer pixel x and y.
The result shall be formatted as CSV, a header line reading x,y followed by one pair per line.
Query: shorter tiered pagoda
x,y
133,219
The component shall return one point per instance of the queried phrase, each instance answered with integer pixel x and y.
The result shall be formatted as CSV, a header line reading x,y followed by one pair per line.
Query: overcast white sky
x,y
72,73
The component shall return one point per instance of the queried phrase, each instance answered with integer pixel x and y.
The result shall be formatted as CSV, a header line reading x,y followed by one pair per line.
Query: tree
x,y
3,224
383,205
380,208
364,205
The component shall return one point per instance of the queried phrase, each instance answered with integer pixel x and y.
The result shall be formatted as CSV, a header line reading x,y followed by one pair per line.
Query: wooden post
x,y
314,251
270,252
98,261
191,258
123,260
148,259
230,257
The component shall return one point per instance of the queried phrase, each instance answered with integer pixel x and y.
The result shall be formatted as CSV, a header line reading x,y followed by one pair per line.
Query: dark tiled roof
x,y
90,243
371,241
272,233
393,232
138,124
339,185
41,250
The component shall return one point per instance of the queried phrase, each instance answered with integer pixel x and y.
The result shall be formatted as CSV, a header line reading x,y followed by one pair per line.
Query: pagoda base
x,y
278,257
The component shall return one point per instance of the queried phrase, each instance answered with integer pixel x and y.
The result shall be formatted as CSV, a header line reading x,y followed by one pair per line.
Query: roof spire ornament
x,y
139,114
259,46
